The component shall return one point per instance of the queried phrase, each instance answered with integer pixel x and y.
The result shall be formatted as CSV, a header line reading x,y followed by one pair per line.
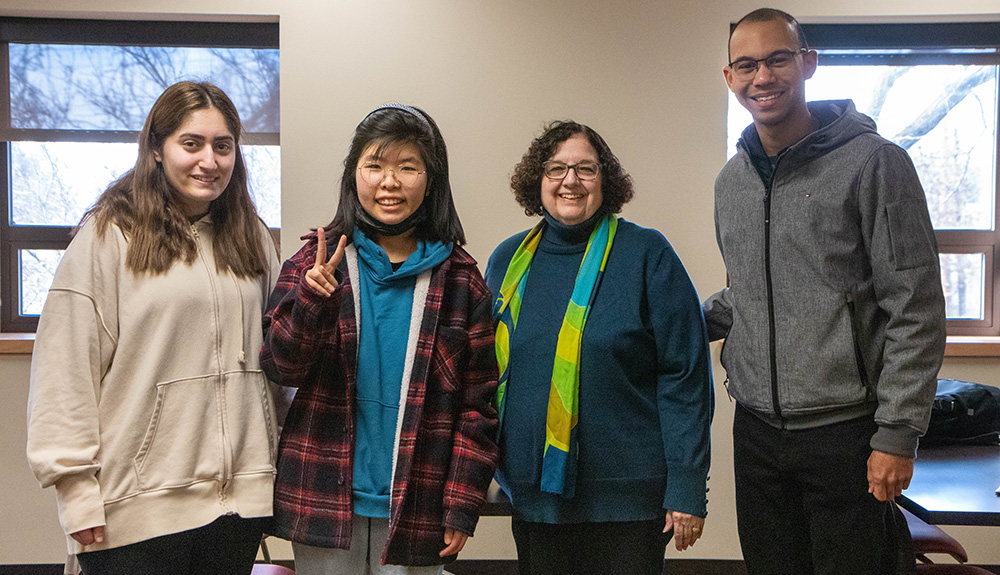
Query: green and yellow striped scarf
x,y
559,459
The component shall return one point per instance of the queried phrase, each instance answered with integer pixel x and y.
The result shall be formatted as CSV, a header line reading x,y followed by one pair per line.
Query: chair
x,y
927,569
929,538
271,569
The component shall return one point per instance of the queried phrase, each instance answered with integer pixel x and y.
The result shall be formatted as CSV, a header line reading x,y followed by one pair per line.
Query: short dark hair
x,y
770,15
392,125
526,182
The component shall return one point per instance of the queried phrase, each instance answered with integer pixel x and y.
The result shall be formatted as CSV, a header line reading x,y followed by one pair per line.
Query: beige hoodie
x,y
148,410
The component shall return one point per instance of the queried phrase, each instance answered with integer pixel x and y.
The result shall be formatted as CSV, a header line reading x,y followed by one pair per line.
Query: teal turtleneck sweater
x,y
646,395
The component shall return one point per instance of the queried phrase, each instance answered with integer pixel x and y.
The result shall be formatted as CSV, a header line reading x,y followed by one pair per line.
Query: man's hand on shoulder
x,y
888,475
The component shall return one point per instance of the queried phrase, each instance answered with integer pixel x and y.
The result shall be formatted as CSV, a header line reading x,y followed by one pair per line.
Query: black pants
x,y
802,500
622,548
227,546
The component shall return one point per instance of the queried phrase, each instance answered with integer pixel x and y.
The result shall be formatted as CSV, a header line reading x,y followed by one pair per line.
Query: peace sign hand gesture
x,y
320,276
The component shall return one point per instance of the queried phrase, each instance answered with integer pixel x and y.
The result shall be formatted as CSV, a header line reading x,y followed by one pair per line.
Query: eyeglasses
x,y
746,68
585,170
374,173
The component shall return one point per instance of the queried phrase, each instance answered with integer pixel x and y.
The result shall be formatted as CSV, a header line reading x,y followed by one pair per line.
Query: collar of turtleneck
x,y
559,237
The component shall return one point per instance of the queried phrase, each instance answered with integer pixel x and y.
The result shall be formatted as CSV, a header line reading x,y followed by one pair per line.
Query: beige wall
x,y
646,75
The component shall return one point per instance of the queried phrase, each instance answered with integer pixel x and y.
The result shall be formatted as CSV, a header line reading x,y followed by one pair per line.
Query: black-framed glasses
x,y
374,173
585,170
746,68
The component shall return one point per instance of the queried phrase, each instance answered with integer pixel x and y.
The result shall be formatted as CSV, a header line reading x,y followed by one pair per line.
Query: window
x,y
932,89
73,97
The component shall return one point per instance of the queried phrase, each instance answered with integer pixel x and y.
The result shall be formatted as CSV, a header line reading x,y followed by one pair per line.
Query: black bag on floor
x,y
964,414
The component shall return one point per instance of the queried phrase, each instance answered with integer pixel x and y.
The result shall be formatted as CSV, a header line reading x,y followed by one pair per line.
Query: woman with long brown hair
x,y
148,410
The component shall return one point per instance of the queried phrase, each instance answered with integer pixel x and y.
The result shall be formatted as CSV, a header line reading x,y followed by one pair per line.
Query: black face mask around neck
x,y
372,226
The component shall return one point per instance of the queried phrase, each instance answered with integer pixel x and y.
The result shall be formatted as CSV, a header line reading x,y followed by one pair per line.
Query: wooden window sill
x,y
972,346
16,343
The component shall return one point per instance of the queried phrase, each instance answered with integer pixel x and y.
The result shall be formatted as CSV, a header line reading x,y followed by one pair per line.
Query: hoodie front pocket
x,y
250,422
183,440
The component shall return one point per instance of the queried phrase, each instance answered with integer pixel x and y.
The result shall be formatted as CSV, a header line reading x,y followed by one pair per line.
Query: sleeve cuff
x,y
686,491
462,522
314,302
896,440
80,503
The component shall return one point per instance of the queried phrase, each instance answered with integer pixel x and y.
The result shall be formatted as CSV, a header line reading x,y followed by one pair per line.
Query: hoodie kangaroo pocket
x,y
251,428
183,441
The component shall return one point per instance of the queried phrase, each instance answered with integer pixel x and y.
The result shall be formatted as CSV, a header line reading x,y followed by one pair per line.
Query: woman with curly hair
x,y
605,393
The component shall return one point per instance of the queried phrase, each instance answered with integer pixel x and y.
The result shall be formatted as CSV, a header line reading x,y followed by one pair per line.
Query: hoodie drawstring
x,y
243,331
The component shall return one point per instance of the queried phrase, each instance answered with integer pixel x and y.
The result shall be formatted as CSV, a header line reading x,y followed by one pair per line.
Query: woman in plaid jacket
x,y
389,445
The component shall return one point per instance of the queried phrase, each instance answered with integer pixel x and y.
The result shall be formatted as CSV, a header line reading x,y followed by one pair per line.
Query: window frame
x,y
923,43
156,33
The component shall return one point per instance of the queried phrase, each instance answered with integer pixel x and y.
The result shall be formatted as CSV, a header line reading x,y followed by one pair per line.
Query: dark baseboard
x,y
672,567
482,567
490,567
57,569
703,567
33,569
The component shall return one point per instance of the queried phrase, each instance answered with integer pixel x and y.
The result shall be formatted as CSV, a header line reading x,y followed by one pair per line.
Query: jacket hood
x,y
459,255
840,124
426,256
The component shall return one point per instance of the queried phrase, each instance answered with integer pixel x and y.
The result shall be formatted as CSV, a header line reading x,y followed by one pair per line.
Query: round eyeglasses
x,y
374,173
746,68
585,170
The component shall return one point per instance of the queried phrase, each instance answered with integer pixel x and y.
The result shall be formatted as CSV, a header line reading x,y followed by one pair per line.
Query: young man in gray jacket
x,y
834,319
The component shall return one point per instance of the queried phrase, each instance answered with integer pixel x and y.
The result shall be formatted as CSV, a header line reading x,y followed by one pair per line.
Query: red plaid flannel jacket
x,y
447,450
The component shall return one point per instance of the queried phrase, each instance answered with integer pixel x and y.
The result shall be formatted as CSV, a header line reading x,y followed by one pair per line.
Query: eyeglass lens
x,y
375,173
584,170
748,67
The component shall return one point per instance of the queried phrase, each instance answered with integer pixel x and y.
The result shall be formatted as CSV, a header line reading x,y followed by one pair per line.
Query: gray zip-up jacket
x,y
835,308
